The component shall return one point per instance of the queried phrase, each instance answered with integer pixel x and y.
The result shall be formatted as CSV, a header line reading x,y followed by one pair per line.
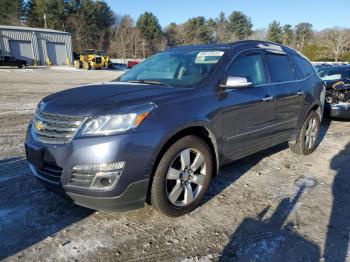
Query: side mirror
x,y
236,82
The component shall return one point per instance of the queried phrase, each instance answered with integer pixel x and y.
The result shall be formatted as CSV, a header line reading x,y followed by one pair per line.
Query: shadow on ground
x,y
29,212
338,234
269,239
232,172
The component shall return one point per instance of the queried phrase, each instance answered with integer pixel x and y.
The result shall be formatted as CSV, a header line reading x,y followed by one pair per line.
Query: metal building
x,y
37,46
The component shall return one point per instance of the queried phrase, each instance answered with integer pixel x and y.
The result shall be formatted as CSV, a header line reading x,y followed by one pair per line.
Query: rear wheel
x,y
306,142
23,66
182,177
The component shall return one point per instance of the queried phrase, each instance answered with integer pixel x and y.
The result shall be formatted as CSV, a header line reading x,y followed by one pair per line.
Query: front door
x,y
248,113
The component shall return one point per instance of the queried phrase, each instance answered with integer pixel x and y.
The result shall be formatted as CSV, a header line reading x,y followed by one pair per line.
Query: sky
x,y
321,13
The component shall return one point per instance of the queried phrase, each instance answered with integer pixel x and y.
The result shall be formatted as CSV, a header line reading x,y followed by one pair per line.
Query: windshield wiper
x,y
151,82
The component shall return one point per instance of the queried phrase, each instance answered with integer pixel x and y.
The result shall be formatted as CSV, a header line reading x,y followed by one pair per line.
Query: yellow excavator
x,y
89,59
106,60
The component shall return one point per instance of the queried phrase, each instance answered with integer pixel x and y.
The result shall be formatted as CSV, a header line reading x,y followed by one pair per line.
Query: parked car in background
x,y
12,61
131,64
120,66
160,132
337,79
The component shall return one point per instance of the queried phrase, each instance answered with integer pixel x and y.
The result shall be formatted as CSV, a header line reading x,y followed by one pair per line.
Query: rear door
x,y
288,92
247,112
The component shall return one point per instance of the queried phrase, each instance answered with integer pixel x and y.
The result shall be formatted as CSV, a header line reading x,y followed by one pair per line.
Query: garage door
x,y
22,50
57,53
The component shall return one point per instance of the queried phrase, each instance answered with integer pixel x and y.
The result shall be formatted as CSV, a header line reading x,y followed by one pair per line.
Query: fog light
x,y
105,180
104,167
97,176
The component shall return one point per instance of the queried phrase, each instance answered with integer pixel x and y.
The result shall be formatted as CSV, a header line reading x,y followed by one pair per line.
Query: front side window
x,y
280,68
249,66
184,68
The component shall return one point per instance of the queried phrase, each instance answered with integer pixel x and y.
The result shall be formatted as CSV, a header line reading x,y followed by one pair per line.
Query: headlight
x,y
113,124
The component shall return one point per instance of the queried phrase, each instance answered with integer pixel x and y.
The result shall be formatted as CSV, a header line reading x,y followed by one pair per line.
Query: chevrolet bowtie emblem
x,y
39,125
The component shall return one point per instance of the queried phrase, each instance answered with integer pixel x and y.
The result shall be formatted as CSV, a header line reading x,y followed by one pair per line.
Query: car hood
x,y
105,98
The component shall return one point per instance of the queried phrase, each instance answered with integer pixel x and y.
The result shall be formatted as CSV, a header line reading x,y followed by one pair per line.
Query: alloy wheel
x,y
185,177
311,133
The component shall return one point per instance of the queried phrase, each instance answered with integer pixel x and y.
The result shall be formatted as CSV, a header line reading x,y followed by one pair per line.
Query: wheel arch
x,y
317,108
197,130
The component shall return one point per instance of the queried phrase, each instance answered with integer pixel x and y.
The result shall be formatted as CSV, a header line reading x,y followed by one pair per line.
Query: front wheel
x,y
182,177
306,142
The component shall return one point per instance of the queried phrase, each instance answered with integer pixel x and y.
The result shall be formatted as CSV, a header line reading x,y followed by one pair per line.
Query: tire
x,y
77,64
86,65
193,183
307,141
22,66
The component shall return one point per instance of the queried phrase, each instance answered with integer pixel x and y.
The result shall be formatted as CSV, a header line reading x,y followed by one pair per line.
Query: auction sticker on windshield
x,y
209,57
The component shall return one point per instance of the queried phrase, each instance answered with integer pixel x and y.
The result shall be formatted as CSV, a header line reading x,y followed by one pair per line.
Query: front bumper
x,y
340,110
52,165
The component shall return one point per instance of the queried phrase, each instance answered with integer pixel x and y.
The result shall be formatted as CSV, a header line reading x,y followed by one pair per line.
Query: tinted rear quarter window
x,y
280,68
304,68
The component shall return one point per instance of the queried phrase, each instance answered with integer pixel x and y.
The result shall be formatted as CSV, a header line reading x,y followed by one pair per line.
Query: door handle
x,y
268,98
300,93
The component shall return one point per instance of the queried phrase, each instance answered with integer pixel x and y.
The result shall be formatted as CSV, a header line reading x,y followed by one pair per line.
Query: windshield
x,y
333,74
183,68
101,52
89,52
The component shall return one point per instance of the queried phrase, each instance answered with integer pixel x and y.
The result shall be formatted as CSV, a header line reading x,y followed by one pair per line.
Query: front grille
x,y
54,128
98,60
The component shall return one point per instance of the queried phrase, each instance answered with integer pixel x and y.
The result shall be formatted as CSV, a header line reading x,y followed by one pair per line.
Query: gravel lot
x,y
272,206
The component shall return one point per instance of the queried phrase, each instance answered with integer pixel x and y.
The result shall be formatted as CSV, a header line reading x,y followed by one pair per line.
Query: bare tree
x,y
77,27
125,39
259,34
335,43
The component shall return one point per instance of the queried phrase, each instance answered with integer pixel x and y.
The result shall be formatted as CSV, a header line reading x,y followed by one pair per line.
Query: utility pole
x,y
45,21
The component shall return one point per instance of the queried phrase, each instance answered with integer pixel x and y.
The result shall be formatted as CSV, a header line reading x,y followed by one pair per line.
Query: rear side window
x,y
305,69
250,66
280,68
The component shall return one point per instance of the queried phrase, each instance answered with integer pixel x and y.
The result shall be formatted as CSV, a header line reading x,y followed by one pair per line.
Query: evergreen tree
x,y
172,35
150,29
275,32
12,12
196,31
303,34
240,25
288,35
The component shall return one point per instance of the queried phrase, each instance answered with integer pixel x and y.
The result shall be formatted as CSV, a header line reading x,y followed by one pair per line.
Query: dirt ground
x,y
272,206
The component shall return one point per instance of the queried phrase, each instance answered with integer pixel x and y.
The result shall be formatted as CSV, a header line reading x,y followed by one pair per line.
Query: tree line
x,y
94,25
